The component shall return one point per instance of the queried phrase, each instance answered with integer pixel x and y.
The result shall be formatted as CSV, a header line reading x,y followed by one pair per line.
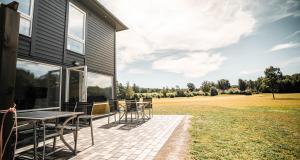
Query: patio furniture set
x,y
45,125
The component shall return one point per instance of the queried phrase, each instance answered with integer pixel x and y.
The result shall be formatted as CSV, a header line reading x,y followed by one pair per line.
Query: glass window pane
x,y
75,46
76,23
24,5
24,26
99,87
37,85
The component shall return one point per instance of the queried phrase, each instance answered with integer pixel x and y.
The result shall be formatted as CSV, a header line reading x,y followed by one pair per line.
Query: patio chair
x,y
114,109
85,120
149,106
132,107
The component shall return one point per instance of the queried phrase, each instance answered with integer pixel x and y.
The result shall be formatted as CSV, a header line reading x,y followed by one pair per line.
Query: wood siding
x,y
49,30
100,45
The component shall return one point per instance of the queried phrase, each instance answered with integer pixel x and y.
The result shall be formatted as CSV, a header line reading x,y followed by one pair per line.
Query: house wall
x,y
47,43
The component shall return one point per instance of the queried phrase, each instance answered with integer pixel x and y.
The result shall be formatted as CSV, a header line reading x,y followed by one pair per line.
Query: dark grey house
x,y
66,53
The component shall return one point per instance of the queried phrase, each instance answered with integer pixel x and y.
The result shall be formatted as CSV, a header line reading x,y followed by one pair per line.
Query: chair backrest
x,y
148,100
131,105
86,107
69,106
113,105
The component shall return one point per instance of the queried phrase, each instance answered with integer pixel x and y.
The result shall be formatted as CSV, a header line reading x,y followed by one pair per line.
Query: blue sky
x,y
173,42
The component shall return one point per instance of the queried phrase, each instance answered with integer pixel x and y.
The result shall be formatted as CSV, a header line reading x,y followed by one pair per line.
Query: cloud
x,y
194,65
248,72
288,62
284,46
190,25
137,71
177,24
292,35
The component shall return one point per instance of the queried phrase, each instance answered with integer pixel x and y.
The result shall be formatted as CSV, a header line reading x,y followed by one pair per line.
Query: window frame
x,y
82,41
60,86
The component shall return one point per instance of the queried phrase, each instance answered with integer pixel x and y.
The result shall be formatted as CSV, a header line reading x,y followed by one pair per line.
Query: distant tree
x,y
223,84
213,91
251,85
135,88
191,86
129,91
273,77
206,85
164,92
242,85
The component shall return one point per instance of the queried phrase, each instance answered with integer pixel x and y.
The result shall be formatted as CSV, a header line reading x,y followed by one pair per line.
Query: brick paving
x,y
120,141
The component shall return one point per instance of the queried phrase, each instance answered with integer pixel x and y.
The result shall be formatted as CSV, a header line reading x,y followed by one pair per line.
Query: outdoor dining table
x,y
41,117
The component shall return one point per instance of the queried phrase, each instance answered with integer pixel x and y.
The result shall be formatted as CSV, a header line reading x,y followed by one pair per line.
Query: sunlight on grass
x,y
240,127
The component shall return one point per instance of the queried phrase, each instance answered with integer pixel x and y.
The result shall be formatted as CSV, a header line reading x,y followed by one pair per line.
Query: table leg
x,y
35,141
76,135
44,139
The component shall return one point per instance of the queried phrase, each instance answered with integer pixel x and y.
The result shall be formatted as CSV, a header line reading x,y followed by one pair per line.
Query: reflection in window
x,y
99,87
37,85
76,29
26,10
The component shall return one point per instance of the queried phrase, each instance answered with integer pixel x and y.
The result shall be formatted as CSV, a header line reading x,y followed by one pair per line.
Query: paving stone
x,y
123,141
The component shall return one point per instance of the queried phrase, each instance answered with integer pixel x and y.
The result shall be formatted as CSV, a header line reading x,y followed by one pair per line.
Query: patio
x,y
122,141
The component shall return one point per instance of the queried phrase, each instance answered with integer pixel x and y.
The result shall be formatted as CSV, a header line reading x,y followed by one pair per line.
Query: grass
x,y
240,127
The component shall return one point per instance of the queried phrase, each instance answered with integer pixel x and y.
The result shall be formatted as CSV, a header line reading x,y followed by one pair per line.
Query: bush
x,y
171,95
213,91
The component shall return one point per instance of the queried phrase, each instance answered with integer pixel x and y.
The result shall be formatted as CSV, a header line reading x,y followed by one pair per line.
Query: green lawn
x,y
240,127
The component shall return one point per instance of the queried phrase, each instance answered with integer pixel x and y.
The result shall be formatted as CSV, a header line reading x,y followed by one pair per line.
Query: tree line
x,y
273,82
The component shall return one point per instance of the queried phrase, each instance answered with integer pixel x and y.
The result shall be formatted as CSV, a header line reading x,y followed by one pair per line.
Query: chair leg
x,y
54,144
92,133
115,117
108,119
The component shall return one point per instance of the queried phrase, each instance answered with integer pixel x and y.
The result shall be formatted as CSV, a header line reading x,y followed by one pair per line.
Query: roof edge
x,y
119,26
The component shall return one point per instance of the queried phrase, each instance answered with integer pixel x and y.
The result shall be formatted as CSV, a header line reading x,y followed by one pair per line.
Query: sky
x,y
173,42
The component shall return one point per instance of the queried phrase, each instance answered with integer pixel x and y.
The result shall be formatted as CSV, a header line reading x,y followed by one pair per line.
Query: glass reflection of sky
x,y
100,80
76,22
37,69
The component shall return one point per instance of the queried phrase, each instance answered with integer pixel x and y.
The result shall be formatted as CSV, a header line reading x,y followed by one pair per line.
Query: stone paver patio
x,y
120,141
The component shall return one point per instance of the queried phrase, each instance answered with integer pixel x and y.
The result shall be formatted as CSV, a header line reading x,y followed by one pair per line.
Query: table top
x,y
45,115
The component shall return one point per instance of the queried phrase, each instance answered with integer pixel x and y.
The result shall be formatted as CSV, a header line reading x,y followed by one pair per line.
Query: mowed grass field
x,y
238,126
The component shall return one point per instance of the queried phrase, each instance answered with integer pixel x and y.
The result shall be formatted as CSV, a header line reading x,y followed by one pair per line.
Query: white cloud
x,y
284,46
292,35
288,62
189,25
137,71
177,24
191,66
248,72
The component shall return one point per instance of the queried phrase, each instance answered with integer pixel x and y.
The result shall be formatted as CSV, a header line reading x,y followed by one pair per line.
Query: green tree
x,y
273,77
191,86
135,88
223,84
129,93
206,85
242,85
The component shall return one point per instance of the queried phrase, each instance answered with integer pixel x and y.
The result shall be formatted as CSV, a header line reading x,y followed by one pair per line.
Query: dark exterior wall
x,y
99,43
47,43
49,30
100,53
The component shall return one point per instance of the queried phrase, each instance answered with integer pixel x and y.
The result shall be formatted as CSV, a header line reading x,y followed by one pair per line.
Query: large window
x,y
37,85
26,10
99,87
76,29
